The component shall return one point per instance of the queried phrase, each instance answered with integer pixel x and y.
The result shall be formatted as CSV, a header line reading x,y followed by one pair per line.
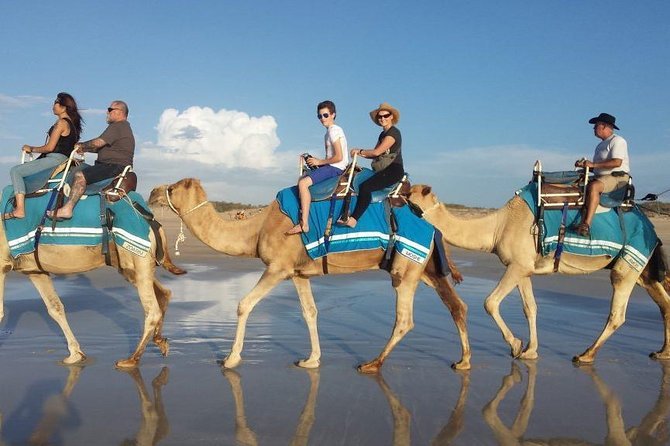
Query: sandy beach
x,y
187,399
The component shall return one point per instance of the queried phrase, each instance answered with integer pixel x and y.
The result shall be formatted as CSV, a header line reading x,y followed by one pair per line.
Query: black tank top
x,y
65,144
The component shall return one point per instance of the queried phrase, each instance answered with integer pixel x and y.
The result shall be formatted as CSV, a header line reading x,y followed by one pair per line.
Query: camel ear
x,y
426,190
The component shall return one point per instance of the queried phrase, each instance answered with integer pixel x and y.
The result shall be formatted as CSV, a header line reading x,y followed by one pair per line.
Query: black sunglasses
x,y
110,109
323,116
380,116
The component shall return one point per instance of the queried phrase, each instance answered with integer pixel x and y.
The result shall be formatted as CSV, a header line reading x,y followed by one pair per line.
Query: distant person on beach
x,y
336,160
115,149
610,165
61,139
386,160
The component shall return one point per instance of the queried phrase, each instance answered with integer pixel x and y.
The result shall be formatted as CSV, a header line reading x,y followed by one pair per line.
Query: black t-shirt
x,y
397,145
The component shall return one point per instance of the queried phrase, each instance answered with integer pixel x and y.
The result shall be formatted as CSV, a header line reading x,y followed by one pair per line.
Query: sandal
x,y
8,215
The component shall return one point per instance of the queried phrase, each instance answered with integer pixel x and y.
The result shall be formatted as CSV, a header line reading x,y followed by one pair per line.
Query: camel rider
x,y
610,165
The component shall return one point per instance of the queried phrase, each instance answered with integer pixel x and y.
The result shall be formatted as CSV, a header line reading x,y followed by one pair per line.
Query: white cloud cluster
x,y
226,138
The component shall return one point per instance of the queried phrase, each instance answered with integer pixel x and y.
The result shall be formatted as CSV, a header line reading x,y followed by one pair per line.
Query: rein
x,y
181,237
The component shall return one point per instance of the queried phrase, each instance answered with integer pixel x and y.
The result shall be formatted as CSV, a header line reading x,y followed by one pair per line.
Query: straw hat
x,y
386,107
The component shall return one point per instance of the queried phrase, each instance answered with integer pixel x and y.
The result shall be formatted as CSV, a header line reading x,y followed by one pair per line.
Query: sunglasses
x,y
57,101
380,116
323,116
110,109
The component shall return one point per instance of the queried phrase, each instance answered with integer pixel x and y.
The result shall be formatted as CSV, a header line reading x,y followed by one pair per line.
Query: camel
x,y
652,429
507,233
60,259
263,236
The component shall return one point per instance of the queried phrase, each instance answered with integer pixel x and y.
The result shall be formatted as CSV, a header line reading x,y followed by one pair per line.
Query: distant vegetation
x,y
655,207
224,206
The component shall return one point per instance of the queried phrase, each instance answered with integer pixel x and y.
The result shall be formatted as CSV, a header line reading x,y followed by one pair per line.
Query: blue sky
x,y
226,91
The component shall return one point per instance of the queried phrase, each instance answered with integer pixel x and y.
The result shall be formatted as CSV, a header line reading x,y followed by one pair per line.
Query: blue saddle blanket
x,y
130,230
413,237
607,236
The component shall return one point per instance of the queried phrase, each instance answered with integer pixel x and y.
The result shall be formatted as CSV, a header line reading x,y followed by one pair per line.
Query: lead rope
x,y
181,236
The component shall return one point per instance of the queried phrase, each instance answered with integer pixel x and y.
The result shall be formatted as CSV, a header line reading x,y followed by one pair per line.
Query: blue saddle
x,y
325,189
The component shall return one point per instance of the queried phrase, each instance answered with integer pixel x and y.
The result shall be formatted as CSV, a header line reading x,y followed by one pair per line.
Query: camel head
x,y
183,195
421,198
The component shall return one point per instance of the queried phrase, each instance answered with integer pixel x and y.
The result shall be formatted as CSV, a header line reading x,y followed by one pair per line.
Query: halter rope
x,y
181,237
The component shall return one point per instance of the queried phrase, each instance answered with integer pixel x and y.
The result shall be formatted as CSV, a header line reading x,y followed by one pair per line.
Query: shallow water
x,y
187,399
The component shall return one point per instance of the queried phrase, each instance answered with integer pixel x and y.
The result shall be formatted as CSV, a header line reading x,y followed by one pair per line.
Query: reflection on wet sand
x,y
56,411
246,436
653,429
154,425
402,417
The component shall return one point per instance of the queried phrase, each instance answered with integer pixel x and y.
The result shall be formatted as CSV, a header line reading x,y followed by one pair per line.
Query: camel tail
x,y
166,261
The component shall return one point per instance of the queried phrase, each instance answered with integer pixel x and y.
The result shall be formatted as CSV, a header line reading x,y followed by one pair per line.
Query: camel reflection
x,y
652,430
56,410
401,416
246,436
154,425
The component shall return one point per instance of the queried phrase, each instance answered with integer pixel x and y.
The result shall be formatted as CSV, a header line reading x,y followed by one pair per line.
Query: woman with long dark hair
x,y
59,145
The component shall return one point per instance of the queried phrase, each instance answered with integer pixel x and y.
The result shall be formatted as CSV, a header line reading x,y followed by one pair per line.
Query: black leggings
x,y
384,178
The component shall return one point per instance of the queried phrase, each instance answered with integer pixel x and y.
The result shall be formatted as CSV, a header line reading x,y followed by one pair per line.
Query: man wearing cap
x,y
610,165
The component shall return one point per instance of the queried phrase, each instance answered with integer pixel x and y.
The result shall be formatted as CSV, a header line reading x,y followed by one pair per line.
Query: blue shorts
x,y
323,173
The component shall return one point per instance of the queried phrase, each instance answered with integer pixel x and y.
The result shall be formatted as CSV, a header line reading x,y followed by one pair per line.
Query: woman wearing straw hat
x,y
386,160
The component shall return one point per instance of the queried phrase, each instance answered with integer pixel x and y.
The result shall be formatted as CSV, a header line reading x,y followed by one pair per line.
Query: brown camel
x,y
59,259
262,236
508,233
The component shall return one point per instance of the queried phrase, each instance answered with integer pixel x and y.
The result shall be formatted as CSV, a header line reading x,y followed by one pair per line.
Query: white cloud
x,y
226,138
25,101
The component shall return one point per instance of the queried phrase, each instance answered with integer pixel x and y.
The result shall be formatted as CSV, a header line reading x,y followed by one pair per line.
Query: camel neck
x,y
477,233
232,237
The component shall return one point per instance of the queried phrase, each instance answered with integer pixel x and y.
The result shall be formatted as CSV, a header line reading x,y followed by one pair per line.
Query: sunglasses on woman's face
x,y
380,116
323,116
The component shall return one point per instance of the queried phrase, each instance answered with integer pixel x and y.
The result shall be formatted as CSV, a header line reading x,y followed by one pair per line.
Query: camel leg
x,y
404,323
503,434
56,310
309,313
265,284
163,298
456,421
144,281
509,280
622,287
530,311
402,418
3,276
659,295
459,313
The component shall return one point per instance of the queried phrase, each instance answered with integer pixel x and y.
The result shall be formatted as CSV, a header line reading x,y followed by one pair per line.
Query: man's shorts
x,y
612,183
101,171
323,173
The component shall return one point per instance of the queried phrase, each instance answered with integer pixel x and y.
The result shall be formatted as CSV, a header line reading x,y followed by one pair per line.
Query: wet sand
x,y
186,399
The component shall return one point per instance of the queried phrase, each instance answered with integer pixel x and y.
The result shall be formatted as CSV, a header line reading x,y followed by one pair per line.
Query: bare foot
x,y
59,214
298,229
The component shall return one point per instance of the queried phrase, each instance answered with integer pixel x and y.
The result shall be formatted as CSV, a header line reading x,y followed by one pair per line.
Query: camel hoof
x,y
75,358
308,363
517,348
163,345
661,356
370,368
461,365
529,355
231,361
127,363
582,360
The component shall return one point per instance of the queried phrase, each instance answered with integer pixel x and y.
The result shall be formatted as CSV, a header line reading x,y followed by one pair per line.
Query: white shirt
x,y
334,133
613,147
